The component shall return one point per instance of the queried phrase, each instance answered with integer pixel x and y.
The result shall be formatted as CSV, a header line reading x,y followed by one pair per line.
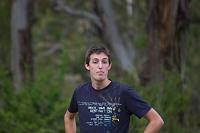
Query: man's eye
x,y
105,62
95,62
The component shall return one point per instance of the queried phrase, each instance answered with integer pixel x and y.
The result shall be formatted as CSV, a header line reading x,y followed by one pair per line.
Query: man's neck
x,y
98,85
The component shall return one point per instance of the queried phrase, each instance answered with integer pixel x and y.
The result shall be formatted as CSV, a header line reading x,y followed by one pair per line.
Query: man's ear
x,y
87,67
110,66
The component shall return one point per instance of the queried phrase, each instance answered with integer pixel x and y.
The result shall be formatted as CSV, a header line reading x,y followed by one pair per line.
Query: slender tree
x,y
21,51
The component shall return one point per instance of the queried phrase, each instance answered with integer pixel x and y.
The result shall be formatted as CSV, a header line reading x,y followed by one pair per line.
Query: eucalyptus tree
x,y
21,50
166,24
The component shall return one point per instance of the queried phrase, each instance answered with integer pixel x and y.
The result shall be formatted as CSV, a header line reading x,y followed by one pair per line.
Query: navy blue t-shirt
x,y
107,110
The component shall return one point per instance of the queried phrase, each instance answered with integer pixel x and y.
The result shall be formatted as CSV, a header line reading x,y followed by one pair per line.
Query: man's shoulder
x,y
120,85
82,86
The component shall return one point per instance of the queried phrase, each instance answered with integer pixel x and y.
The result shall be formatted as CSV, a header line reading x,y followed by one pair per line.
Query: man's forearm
x,y
153,127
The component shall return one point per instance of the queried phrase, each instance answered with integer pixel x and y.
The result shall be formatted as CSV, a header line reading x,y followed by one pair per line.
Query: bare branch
x,y
53,49
61,6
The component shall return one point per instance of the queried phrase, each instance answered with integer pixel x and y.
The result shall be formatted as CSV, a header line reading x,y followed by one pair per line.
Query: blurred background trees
x,y
42,43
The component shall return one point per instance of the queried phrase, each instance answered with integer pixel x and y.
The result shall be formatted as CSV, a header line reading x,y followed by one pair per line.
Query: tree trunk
x,y
167,20
21,51
111,34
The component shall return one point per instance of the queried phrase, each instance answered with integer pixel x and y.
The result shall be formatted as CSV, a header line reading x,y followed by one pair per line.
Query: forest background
x,y
155,48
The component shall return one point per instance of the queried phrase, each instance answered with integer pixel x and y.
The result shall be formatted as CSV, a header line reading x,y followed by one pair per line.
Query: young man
x,y
103,105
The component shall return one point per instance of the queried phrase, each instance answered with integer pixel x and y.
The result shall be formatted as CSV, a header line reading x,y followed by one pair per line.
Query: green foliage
x,y
37,109
170,99
40,106
5,10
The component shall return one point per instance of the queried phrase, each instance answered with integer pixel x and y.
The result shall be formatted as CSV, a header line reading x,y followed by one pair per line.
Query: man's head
x,y
98,62
97,49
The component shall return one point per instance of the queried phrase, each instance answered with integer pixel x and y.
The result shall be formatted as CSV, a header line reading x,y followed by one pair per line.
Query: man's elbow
x,y
160,122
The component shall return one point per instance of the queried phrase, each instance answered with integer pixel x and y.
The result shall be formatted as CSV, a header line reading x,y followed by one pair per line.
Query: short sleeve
x,y
73,107
135,104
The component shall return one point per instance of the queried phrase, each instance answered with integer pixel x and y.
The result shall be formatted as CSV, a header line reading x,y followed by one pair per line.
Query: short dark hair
x,y
97,49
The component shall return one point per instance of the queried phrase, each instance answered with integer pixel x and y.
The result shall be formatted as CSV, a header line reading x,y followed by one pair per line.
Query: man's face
x,y
98,66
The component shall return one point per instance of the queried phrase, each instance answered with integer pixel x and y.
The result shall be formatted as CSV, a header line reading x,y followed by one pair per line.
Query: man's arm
x,y
155,121
70,122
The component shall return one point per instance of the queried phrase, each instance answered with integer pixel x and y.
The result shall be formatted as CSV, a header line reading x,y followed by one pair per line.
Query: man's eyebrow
x,y
98,58
94,58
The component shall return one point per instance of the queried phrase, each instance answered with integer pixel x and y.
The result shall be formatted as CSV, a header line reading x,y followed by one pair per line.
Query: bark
x,y
167,21
114,38
21,52
129,7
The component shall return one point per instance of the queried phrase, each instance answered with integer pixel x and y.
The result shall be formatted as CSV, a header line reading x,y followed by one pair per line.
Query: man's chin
x,y
99,79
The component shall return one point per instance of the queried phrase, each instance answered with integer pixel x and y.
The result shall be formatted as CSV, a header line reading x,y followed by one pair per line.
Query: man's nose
x,y
100,65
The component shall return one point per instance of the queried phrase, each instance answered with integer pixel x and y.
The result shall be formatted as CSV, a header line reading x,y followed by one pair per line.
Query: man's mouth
x,y
100,72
